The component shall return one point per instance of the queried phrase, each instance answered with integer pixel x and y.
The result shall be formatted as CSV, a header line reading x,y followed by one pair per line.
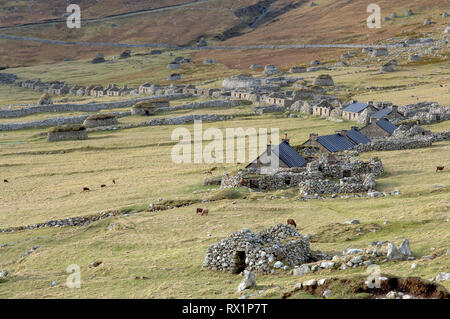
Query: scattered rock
x,y
327,293
278,264
309,283
302,270
443,276
95,264
248,281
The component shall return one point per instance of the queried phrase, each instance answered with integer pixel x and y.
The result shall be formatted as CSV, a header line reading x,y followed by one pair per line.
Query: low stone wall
x,y
355,184
94,107
395,144
67,136
201,105
56,121
89,123
169,121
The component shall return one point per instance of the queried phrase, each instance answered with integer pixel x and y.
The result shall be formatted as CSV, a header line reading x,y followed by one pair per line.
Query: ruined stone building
x,y
354,110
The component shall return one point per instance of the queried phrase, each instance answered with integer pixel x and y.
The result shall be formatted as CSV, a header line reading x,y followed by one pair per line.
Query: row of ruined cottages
x,y
156,89
61,88
343,140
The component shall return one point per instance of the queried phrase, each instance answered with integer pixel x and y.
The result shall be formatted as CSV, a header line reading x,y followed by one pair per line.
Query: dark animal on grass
x,y
205,212
199,210
439,169
103,186
292,222
85,189
5,181
114,181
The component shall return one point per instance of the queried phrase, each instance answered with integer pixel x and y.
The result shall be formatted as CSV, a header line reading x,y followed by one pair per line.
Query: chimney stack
x,y
313,136
342,132
285,139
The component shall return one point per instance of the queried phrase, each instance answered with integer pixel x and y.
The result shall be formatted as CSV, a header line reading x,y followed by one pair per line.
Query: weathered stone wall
x,y
89,123
66,136
56,121
93,107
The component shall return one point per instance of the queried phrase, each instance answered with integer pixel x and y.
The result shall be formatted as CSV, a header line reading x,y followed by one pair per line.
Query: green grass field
x,y
168,247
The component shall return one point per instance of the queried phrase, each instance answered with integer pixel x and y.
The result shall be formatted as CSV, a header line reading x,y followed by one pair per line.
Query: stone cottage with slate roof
x,y
380,128
329,143
355,136
323,109
354,110
390,113
283,154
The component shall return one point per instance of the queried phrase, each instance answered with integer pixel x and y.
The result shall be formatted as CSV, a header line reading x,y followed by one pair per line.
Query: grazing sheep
x,y
439,168
205,212
199,210
5,181
292,222
85,189
103,186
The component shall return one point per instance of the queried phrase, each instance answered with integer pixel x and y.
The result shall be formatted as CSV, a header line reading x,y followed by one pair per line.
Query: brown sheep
x,y
5,181
439,168
199,210
292,222
86,189
205,212
103,186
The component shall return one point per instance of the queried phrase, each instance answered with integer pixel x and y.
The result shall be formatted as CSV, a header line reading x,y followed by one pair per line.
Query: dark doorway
x,y
287,181
147,113
239,262
347,173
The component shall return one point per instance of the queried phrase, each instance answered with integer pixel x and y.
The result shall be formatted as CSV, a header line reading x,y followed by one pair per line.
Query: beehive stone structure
x,y
258,252
324,80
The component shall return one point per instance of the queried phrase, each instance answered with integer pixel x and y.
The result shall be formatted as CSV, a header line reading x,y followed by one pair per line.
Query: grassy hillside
x,y
168,247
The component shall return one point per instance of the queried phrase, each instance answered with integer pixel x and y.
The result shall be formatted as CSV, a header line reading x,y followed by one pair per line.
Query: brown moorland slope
x,y
328,22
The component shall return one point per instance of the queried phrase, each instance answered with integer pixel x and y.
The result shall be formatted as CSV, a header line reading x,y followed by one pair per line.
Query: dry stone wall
x,y
93,107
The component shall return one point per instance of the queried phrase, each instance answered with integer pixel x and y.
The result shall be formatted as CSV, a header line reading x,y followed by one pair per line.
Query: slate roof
x,y
382,113
289,156
386,125
356,107
357,137
335,142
